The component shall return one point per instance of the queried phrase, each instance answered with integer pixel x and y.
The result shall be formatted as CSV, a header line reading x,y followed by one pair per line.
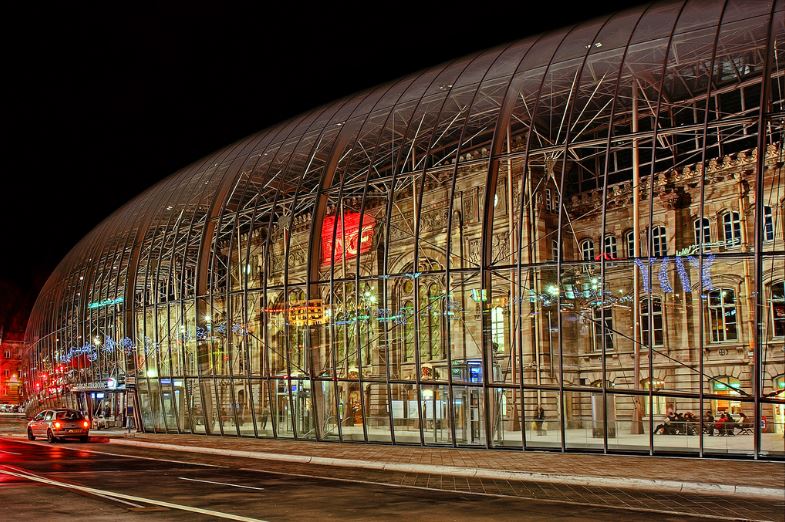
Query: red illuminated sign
x,y
349,239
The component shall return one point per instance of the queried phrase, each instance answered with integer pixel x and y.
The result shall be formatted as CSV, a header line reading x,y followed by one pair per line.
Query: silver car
x,y
59,424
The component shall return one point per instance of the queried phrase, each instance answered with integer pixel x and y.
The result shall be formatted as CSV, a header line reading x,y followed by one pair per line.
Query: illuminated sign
x,y
349,239
304,313
105,302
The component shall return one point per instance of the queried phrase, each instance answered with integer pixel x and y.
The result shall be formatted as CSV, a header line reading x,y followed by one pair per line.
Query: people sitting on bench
x,y
744,424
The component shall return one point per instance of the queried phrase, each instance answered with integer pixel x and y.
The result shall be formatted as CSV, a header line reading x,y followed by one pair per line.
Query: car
x,y
59,424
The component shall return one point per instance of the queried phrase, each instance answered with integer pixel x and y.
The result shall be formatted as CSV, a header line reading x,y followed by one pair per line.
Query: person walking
x,y
539,420
265,415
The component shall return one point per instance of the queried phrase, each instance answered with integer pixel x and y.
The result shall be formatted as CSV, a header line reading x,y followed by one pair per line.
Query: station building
x,y
553,244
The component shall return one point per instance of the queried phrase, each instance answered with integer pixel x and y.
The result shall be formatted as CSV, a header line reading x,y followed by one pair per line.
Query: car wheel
x,y
51,436
84,438
30,435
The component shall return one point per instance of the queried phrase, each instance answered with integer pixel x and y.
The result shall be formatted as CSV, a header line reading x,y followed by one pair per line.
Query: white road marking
x,y
102,493
221,483
405,486
10,452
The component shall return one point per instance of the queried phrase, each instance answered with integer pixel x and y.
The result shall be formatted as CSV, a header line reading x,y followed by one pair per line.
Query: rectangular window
x,y
554,250
731,226
630,236
722,315
598,330
548,203
768,225
777,305
497,329
656,318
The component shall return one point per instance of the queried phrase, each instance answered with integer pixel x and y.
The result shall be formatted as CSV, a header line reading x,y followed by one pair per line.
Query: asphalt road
x,y
100,481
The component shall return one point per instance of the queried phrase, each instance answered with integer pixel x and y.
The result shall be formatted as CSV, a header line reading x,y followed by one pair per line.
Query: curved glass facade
x,y
551,244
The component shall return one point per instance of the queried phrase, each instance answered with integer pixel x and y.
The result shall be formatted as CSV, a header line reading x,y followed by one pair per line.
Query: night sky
x,y
100,105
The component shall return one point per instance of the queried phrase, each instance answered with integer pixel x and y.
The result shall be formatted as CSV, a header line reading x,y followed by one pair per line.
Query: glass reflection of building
x,y
590,221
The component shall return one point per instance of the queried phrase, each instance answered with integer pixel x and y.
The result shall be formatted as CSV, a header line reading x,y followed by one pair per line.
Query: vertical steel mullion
x,y
701,334
390,199
562,210
371,161
416,261
273,412
651,217
503,117
603,232
527,149
759,315
288,240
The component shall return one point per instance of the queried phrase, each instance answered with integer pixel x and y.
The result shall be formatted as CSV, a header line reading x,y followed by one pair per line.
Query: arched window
x,y
659,239
722,315
731,226
768,224
702,230
657,323
587,250
610,246
629,240
431,322
777,309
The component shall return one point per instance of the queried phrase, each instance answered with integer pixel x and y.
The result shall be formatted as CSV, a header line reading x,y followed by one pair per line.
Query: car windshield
x,y
69,415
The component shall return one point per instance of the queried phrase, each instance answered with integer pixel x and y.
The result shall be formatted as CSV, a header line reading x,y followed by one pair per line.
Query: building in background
x,y
549,245
11,349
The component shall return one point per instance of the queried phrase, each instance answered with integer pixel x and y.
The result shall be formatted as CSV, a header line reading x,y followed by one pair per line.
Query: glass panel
x,y
506,403
435,414
584,413
543,427
677,429
377,415
405,413
469,409
732,429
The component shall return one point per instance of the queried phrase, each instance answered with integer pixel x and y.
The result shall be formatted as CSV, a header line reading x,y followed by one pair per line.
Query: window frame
x,y
773,320
587,245
606,244
768,224
706,235
659,241
644,320
629,240
722,307
731,224
597,332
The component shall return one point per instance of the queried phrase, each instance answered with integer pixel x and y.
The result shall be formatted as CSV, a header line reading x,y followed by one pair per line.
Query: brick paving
x,y
722,471
666,505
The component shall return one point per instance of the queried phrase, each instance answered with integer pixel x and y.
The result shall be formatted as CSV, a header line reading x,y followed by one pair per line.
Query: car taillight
x,y
57,425
86,424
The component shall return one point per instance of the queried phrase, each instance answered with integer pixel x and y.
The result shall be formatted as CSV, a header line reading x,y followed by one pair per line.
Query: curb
x,y
484,473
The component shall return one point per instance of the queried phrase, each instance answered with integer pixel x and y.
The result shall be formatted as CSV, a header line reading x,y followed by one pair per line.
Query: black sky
x,y
100,105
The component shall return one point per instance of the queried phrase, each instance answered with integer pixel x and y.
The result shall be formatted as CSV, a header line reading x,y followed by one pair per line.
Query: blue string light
x,y
645,273
662,275
683,276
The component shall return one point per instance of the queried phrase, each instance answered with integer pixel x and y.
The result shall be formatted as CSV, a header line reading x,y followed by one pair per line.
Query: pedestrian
x,y
265,415
539,420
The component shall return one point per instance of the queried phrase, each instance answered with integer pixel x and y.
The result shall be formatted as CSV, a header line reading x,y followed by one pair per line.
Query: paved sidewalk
x,y
711,476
